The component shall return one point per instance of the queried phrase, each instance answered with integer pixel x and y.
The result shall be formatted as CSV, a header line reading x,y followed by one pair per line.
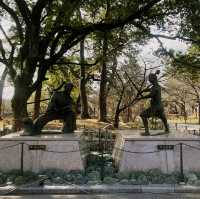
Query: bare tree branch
x,y
177,37
15,17
5,35
3,53
24,10
63,62
102,26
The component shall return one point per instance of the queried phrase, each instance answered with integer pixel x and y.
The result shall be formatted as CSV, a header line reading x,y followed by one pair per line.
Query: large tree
x,y
189,79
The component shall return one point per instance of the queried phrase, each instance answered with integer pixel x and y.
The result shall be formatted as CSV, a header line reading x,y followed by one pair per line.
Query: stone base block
x,y
58,151
135,152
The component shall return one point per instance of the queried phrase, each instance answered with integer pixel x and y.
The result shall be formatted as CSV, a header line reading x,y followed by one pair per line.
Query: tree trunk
x,y
37,102
82,86
116,119
198,112
103,83
118,110
19,104
2,82
128,114
184,113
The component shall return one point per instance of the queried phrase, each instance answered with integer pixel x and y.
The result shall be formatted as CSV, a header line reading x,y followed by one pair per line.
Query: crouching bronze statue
x,y
60,107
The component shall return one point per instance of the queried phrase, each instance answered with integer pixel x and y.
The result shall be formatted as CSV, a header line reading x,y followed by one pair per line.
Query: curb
x,y
99,189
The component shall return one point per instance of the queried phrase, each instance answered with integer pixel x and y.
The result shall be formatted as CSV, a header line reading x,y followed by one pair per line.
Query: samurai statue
x,y
156,108
60,107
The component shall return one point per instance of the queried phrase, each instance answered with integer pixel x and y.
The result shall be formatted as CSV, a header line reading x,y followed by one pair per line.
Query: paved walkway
x,y
108,196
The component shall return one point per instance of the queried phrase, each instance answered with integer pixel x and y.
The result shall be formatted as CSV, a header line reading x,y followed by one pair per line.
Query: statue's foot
x,y
167,131
145,134
25,133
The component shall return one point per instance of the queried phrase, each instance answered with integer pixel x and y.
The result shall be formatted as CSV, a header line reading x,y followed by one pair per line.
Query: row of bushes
x,y
93,176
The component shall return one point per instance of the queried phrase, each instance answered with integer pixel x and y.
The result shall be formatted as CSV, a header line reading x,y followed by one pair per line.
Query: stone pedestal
x,y
58,151
147,155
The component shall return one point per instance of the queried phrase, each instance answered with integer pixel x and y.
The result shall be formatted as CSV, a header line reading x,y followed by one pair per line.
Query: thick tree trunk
x,y
37,102
83,94
103,83
2,82
19,105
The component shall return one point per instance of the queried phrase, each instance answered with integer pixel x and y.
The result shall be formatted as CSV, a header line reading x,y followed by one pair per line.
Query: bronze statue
x,y
156,109
60,107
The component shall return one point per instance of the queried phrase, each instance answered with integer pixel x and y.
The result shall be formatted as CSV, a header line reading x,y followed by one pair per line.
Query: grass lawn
x,y
95,124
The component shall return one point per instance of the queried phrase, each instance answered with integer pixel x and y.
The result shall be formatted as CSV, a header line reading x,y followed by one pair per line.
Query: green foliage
x,y
2,178
94,175
109,170
110,180
155,176
58,176
19,180
58,180
142,179
124,182
187,64
123,175
191,178
93,182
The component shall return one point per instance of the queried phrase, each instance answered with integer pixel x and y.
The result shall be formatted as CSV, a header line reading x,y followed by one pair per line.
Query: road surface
x,y
108,196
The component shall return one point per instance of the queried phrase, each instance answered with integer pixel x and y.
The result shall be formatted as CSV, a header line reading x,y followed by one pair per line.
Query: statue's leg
x,y
145,115
28,126
164,120
69,122
41,121
74,121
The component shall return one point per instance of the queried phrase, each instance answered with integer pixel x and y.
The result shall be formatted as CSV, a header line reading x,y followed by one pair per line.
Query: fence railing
x,y
193,129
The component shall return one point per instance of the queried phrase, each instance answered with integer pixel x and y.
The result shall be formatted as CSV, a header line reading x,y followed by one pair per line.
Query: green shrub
x,y
133,181
58,180
19,180
123,175
93,182
170,179
142,179
155,176
3,178
192,178
124,182
110,180
94,175
109,171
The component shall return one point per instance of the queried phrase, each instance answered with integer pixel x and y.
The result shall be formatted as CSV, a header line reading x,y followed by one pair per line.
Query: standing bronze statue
x,y
156,108
60,107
